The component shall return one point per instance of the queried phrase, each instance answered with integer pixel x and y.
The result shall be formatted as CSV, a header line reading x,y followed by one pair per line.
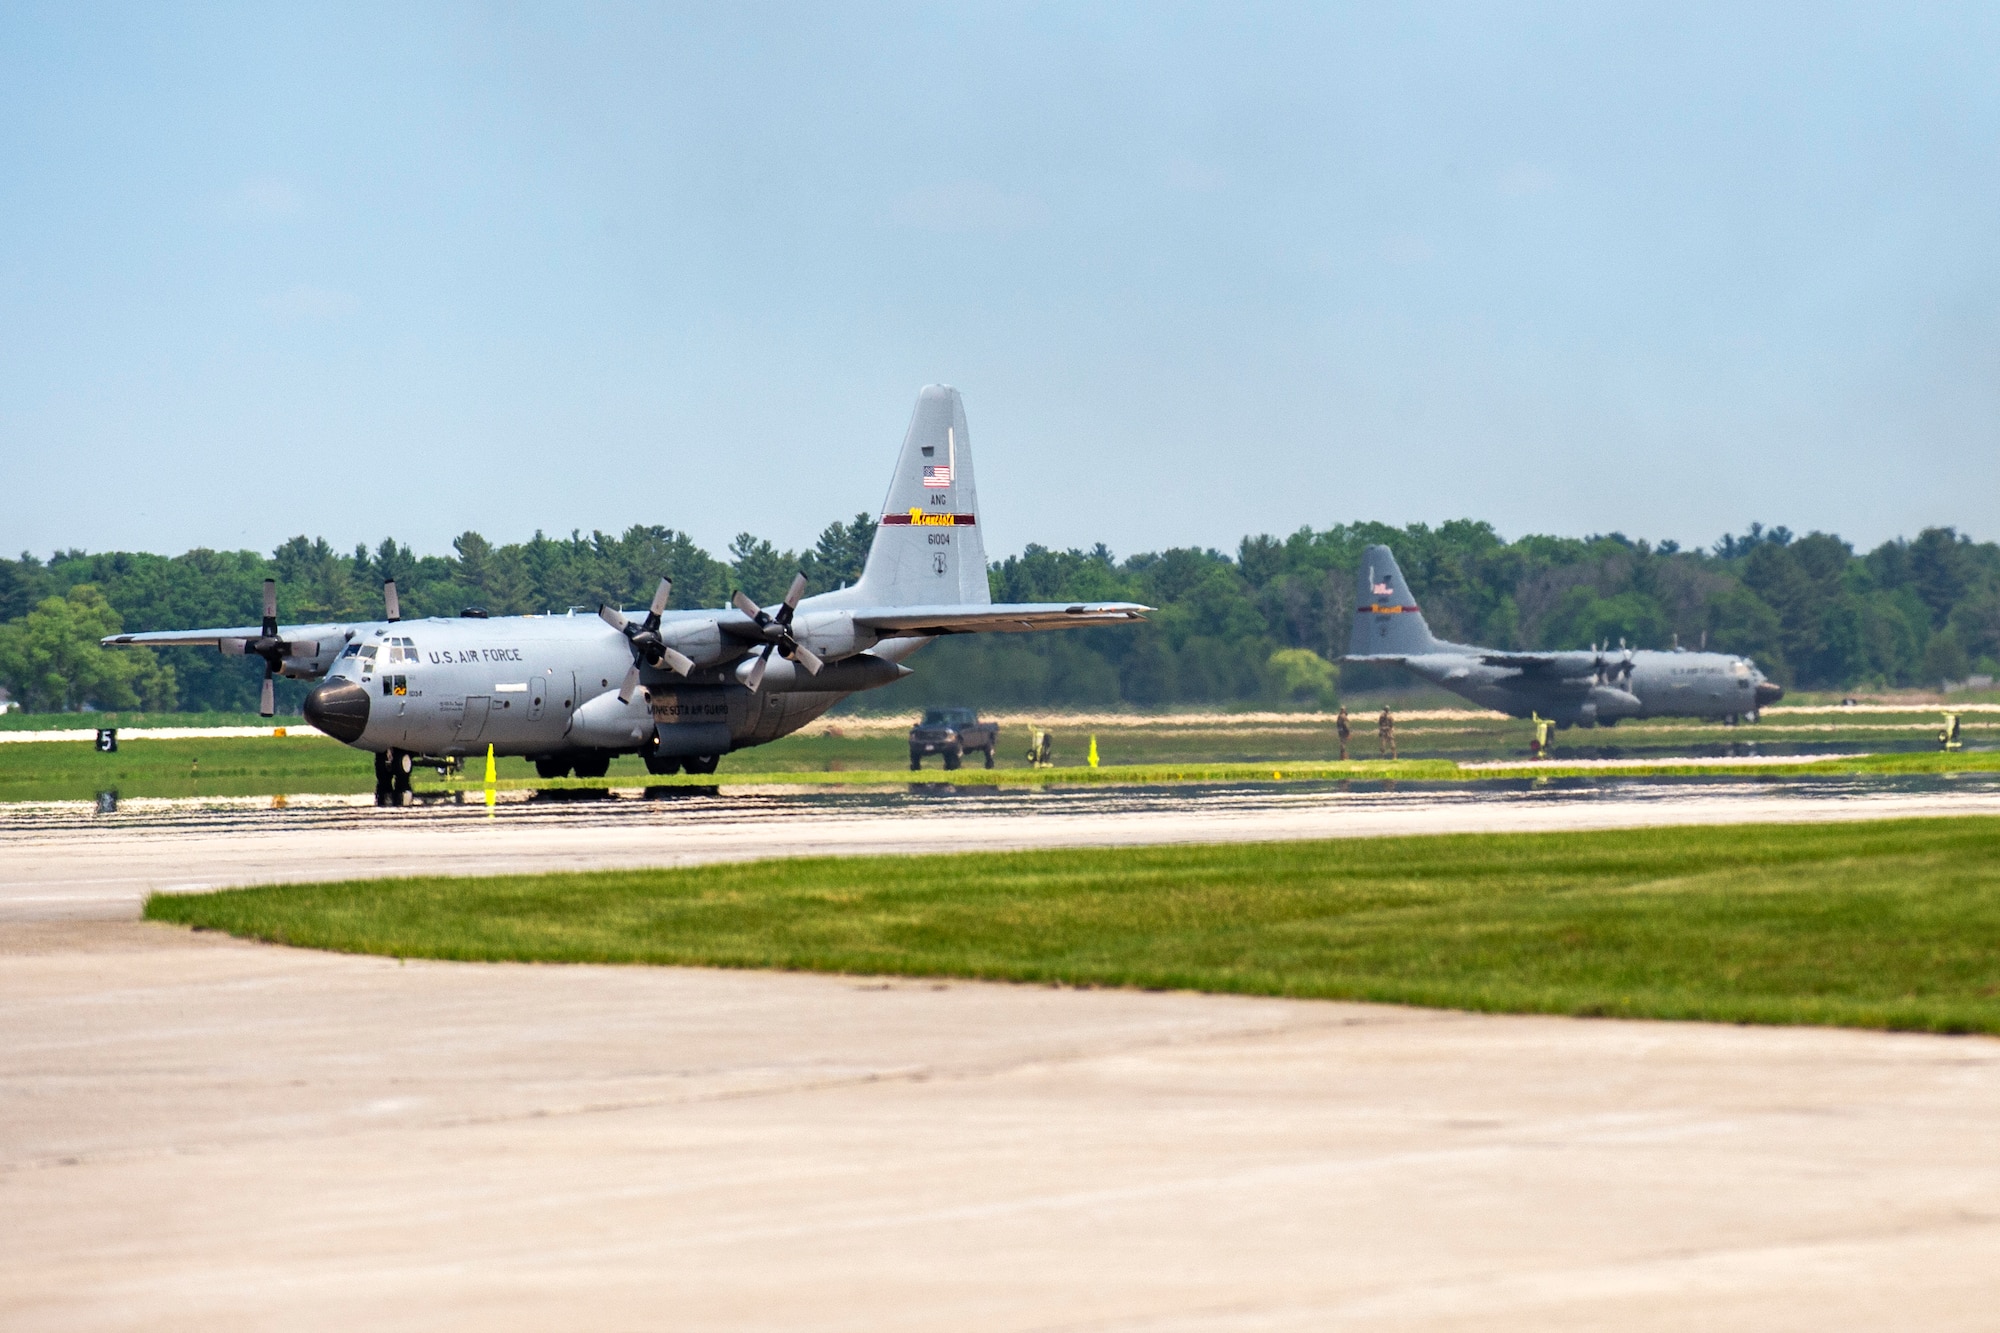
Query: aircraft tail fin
x,y
1386,619
927,549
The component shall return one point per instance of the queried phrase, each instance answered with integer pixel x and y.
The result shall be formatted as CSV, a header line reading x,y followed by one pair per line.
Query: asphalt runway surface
x,y
61,861
197,1132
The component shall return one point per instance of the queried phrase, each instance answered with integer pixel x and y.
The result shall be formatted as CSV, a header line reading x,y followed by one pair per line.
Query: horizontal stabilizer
x,y
1001,618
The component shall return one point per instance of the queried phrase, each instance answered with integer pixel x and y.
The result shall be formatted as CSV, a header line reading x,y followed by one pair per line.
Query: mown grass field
x,y
1881,925
208,766
1163,747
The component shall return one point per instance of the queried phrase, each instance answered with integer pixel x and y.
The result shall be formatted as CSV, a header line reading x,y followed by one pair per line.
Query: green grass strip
x,y
1890,924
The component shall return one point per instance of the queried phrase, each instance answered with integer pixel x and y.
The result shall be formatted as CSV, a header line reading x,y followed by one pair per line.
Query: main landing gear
x,y
583,763
597,763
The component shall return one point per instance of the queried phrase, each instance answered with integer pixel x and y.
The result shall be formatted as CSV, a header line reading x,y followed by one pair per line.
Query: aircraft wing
x,y
216,638
998,618
1519,661
1373,659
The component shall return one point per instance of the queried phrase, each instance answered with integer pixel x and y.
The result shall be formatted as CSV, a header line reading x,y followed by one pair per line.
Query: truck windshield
x,y
950,717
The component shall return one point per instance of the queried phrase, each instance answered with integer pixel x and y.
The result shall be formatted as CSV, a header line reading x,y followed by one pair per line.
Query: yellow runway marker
x,y
492,779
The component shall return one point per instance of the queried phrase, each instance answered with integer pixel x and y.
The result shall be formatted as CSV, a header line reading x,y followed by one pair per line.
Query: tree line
x,y
1263,623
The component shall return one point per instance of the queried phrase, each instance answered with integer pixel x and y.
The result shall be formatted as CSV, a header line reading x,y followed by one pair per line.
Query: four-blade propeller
x,y
270,647
648,649
275,650
1619,672
777,632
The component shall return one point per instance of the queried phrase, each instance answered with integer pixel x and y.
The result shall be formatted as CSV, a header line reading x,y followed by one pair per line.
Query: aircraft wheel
x,y
660,765
593,765
555,766
699,764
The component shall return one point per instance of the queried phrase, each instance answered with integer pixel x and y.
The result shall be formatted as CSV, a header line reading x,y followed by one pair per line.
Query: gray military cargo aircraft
x,y
1568,688
678,688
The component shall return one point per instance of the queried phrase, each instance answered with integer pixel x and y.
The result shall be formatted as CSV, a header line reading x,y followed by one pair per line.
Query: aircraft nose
x,y
1767,693
340,709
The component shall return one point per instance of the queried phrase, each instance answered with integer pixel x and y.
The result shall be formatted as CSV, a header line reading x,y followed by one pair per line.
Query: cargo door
x,y
472,723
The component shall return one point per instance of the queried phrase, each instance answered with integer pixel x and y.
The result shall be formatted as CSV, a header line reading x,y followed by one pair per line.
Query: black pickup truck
x,y
953,733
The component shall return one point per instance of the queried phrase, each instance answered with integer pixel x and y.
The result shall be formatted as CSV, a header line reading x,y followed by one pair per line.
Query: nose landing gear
x,y
392,778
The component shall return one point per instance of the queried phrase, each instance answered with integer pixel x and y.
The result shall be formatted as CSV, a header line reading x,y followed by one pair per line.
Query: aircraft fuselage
x,y
541,685
1580,688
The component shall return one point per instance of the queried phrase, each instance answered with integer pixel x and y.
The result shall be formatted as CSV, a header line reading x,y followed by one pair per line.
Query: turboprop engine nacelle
x,y
607,723
699,640
863,671
833,635
1608,701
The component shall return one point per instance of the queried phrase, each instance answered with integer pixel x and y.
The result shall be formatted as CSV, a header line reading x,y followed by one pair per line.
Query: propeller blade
x,y
267,702
612,618
631,684
390,601
746,606
680,662
807,658
270,608
757,671
793,593
660,596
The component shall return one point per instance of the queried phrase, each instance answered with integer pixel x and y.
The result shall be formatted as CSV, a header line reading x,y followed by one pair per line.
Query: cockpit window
x,y
353,650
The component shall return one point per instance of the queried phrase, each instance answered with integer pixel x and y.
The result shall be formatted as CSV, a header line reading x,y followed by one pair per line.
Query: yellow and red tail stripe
x,y
917,518
1380,610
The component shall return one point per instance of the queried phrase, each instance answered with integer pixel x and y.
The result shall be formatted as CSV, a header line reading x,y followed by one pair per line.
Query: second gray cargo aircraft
x,y
1568,688
678,688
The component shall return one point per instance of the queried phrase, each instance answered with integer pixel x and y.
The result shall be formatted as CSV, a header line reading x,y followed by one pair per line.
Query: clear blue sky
x,y
355,270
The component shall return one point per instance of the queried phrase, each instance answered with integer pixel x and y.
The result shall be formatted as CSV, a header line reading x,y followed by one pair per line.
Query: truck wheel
x,y
952,758
989,756
916,761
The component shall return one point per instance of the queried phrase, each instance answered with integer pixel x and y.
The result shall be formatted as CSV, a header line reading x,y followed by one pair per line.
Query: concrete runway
x,y
65,862
202,1133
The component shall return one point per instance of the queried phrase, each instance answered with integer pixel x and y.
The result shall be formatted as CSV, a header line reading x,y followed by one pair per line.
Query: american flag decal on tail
x,y
1384,590
937,476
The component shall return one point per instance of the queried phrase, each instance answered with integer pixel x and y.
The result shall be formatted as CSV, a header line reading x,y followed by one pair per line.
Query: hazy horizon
x,y
359,271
